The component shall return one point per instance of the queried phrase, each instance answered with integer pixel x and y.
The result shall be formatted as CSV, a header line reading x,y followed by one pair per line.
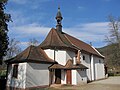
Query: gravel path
x,y
110,80
112,83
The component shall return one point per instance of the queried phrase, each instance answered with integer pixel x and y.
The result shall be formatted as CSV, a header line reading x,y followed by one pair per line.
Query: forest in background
x,y
111,62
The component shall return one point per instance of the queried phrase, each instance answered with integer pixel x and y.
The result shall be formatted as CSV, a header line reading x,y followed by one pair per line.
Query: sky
x,y
86,20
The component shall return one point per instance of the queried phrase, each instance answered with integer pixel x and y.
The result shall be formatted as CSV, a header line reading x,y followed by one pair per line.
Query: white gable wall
x,y
61,56
37,74
99,68
20,81
50,53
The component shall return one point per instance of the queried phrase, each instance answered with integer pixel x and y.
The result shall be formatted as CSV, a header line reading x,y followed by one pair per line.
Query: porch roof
x,y
69,65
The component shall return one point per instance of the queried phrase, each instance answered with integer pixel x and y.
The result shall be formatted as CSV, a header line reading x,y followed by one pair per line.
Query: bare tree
x,y
13,48
114,25
33,42
114,39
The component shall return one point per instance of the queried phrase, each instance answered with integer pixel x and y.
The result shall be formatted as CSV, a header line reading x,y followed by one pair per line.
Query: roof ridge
x,y
36,50
46,56
30,47
51,36
47,35
59,36
68,39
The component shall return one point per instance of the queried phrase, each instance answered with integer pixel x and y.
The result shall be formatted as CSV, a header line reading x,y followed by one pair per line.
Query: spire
x,y
59,19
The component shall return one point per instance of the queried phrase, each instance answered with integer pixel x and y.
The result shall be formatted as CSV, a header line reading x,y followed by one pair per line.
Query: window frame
x,y
15,71
83,57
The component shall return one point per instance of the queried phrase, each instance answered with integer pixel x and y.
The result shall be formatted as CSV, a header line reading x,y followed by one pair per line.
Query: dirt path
x,y
112,83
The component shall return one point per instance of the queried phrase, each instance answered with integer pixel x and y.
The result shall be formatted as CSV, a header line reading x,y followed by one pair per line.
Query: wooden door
x,y
69,77
58,76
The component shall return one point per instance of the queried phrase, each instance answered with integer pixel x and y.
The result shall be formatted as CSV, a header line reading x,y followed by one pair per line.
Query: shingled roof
x,y
31,54
57,39
82,45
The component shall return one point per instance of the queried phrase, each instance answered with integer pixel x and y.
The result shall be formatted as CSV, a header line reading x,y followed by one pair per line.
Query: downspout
x,y
92,68
54,77
54,55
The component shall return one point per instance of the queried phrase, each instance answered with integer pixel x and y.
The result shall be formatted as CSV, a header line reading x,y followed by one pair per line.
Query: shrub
x,y
2,72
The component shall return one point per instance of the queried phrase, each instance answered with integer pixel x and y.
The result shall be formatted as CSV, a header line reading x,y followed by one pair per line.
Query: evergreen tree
x,y
4,18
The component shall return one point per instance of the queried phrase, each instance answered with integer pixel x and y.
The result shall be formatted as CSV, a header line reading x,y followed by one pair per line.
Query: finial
x,y
59,13
58,7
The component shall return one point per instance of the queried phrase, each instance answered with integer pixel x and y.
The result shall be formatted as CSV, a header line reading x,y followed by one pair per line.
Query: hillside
x,y
110,61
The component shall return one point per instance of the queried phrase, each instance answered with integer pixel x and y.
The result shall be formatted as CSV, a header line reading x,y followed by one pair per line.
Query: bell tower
x,y
59,20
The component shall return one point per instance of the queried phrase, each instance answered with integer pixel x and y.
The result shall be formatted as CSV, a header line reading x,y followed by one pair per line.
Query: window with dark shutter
x,y
15,71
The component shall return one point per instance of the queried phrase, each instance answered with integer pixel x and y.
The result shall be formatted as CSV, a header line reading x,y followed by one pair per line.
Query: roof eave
x,y
30,61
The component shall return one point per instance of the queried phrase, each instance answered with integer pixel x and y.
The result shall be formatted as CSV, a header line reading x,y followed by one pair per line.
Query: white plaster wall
x,y
99,68
60,57
74,77
70,55
63,76
86,62
50,53
20,81
81,76
37,74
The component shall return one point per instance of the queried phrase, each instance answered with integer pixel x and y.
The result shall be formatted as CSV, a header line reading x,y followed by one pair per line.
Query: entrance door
x,y
69,77
58,76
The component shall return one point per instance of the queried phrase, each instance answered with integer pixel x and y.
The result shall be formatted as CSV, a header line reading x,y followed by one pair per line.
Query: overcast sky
x,y
86,20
